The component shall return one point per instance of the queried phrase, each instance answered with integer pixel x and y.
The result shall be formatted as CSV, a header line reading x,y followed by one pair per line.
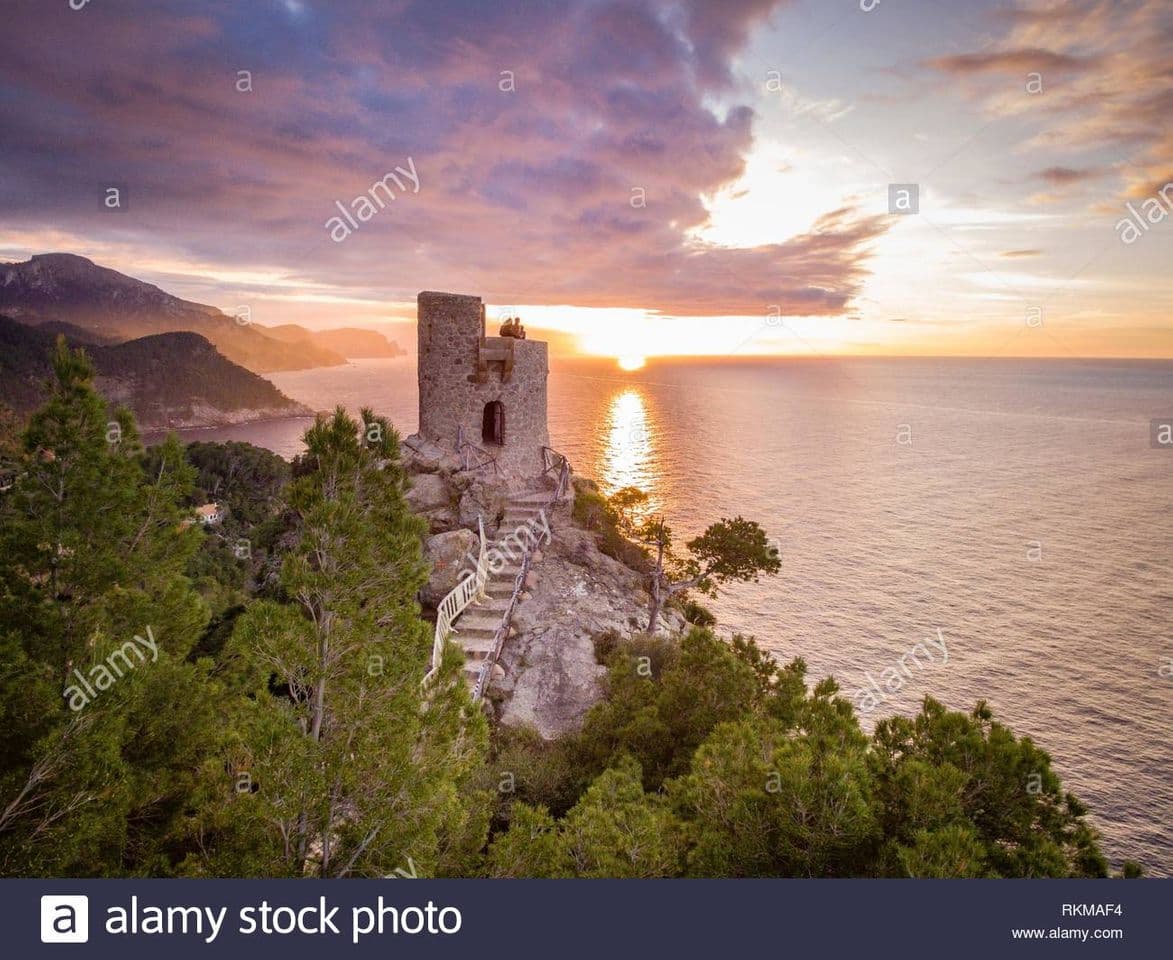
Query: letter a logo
x,y
65,919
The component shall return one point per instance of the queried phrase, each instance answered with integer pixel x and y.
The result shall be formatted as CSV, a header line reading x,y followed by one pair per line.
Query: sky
x,y
632,178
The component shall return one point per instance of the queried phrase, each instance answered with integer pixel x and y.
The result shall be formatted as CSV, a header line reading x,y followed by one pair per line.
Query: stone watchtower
x,y
488,392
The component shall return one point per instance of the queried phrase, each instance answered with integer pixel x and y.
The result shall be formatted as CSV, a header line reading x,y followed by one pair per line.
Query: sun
x,y
631,361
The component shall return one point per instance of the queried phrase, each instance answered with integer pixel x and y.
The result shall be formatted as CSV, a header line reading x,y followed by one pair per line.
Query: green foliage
x,y
618,830
354,772
302,745
532,847
526,770
615,830
605,643
593,511
730,550
626,505
942,768
762,803
92,555
663,699
953,850
233,561
695,613
742,771
590,506
248,480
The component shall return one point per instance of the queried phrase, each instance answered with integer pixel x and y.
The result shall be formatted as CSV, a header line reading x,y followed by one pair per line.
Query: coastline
x,y
150,429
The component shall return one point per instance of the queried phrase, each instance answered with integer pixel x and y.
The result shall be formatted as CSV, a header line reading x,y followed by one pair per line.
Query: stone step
x,y
516,530
509,550
472,670
479,631
512,523
471,621
513,556
530,509
477,648
493,605
477,627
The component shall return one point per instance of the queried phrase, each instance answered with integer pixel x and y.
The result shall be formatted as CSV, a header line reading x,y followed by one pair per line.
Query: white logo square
x,y
65,919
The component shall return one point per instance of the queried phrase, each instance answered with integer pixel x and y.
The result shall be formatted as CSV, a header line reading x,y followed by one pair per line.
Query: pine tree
x,y
101,734
346,768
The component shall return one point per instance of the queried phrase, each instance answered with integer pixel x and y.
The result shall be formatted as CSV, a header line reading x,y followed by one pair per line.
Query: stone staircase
x,y
476,627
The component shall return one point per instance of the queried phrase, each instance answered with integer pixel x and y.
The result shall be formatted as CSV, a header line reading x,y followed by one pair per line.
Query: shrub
x,y
594,513
605,644
697,614
590,506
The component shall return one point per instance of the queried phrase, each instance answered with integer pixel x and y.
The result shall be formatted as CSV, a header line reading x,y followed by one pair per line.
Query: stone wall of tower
x,y
451,394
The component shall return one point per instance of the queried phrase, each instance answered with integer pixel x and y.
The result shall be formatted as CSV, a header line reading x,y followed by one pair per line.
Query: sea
x,y
1012,516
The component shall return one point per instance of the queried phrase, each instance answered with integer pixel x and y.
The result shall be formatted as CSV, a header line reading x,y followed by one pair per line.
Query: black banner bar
x,y
583,918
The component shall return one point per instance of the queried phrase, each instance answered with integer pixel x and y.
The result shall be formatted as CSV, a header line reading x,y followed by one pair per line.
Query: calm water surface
x,y
1015,506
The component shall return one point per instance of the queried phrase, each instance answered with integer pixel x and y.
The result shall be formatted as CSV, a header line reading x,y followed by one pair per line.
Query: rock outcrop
x,y
448,554
431,495
551,676
548,677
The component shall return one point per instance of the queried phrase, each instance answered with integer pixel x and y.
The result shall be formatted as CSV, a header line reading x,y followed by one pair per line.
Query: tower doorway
x,y
493,423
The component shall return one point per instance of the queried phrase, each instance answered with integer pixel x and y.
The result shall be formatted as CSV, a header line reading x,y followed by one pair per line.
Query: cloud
x,y
1014,61
526,194
1017,254
1062,176
1106,86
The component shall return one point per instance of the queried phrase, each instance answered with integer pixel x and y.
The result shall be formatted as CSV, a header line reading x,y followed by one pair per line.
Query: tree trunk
x,y
657,584
657,602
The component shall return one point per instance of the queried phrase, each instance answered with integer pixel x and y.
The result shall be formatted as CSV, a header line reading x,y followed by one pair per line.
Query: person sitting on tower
x,y
512,328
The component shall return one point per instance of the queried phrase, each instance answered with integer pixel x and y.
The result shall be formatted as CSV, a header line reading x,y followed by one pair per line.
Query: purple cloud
x,y
532,125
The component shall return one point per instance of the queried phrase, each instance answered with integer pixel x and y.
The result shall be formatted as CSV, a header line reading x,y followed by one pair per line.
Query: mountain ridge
x,y
169,380
65,288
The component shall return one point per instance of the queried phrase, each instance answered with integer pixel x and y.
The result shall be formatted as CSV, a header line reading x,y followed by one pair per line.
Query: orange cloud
x,y
1105,85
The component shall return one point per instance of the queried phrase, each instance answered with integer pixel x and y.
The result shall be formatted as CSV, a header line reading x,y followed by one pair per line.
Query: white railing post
x,y
482,561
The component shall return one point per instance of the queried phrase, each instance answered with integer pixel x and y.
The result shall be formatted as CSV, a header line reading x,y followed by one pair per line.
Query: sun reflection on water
x,y
627,459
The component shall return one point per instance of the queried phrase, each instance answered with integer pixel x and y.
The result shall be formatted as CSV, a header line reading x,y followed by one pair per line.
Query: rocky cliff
x,y
549,676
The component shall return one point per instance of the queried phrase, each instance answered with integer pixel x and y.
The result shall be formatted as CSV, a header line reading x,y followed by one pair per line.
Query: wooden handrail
x,y
563,482
459,597
465,447
553,460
